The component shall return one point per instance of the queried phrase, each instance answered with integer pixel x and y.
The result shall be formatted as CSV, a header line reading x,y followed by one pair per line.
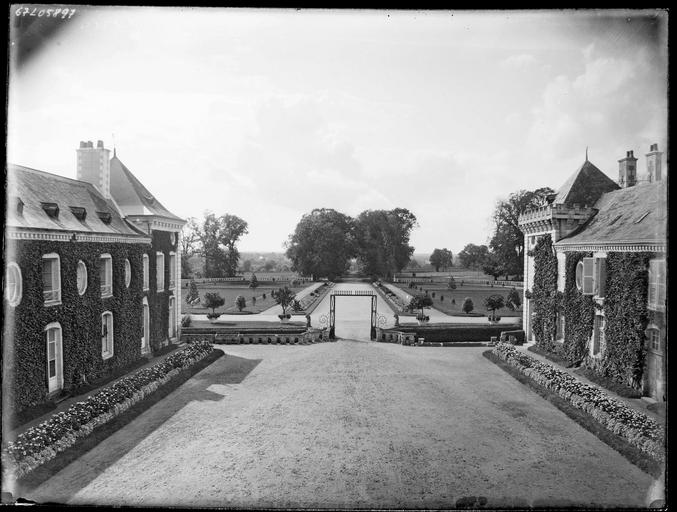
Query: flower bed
x,y
41,443
637,428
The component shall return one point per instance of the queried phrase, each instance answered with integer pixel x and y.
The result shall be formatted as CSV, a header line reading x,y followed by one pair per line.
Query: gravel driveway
x,y
349,424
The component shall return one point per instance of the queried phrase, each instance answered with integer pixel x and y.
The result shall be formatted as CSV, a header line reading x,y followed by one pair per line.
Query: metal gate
x,y
331,320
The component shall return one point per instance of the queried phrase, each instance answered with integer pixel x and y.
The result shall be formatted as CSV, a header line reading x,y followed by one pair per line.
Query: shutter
x,y
588,276
600,277
660,284
652,289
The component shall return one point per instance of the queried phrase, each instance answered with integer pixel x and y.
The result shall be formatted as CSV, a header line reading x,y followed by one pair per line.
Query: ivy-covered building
x,y
83,298
595,272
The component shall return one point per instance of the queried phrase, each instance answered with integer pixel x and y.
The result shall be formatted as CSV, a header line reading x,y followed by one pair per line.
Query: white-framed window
x,y
128,273
107,335
657,285
54,357
81,277
653,337
160,271
559,333
599,277
171,323
145,339
598,335
585,276
146,273
51,279
172,270
13,284
106,275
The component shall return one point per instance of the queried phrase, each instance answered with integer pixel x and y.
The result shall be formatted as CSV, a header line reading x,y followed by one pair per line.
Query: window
x,y
172,270
559,334
107,335
598,335
146,280
51,279
160,271
81,277
657,285
171,322
599,273
585,276
106,275
54,357
653,337
128,273
145,340
13,286
172,238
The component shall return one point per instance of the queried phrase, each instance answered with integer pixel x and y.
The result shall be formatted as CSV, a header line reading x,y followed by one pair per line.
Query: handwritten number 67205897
x,y
45,13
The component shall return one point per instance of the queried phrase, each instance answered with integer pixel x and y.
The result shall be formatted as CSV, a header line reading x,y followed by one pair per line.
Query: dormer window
x,y
51,209
105,217
79,212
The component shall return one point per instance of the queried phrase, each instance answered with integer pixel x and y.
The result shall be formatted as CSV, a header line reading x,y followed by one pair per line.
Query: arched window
x,y
128,273
13,284
81,276
107,335
54,357
146,273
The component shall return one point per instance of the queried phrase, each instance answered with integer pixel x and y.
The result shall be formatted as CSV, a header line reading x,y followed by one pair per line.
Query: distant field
x,y
477,294
230,293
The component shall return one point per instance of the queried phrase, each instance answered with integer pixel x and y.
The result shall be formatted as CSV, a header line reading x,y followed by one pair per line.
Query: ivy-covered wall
x,y
158,301
579,312
544,293
25,364
627,317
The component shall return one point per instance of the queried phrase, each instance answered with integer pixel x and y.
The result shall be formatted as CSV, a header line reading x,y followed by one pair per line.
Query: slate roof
x,y
636,214
585,186
132,196
34,187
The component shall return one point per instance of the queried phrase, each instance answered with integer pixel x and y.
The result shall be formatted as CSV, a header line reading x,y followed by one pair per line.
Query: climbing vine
x,y
627,316
579,313
544,294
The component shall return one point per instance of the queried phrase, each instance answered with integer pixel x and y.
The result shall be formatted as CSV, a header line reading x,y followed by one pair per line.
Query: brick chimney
x,y
653,163
627,170
94,166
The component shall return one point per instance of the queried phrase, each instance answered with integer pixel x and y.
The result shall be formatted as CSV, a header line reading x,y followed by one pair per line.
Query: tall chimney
x,y
94,166
627,170
653,163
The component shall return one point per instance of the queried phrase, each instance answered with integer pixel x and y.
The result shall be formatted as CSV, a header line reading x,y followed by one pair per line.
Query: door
x,y
54,359
145,340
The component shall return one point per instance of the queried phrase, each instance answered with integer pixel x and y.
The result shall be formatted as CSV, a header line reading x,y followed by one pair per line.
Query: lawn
x,y
230,291
453,299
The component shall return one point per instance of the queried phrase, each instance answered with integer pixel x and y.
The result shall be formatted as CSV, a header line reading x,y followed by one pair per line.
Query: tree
x,y
473,256
322,244
219,236
240,302
467,306
254,282
441,258
284,297
507,242
413,263
420,301
212,301
246,266
513,301
193,294
190,244
494,303
383,241
493,266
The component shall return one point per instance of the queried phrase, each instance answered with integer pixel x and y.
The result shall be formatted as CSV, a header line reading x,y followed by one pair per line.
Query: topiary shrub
x,y
467,306
546,300
240,302
213,300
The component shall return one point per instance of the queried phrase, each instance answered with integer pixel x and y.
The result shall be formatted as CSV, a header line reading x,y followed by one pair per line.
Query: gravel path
x,y
349,424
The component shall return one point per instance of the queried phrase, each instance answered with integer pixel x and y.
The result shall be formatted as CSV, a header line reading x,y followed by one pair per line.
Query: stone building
x,y
595,219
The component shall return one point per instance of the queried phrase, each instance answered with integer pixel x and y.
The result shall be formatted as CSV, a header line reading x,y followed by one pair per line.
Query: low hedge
x,y
519,335
41,443
637,428
453,332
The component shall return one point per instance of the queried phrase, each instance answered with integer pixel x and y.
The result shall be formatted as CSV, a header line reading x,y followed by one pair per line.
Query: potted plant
x,y
419,302
493,303
284,297
213,301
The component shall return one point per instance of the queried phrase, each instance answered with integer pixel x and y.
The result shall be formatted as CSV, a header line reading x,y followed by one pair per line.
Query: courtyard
x,y
349,424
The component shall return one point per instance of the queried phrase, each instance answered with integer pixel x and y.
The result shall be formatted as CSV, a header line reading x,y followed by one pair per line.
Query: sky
x,y
269,113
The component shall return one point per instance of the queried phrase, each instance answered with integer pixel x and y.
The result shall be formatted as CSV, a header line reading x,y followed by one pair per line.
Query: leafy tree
x,y
467,306
507,242
513,300
493,266
269,265
413,263
190,245
473,256
253,282
322,244
219,236
247,266
420,301
441,258
240,302
284,297
494,303
383,241
193,294
212,301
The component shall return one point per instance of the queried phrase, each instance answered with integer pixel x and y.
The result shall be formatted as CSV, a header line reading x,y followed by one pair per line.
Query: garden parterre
x,y
637,428
41,443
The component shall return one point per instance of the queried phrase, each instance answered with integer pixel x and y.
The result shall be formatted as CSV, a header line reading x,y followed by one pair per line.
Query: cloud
x,y
520,61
